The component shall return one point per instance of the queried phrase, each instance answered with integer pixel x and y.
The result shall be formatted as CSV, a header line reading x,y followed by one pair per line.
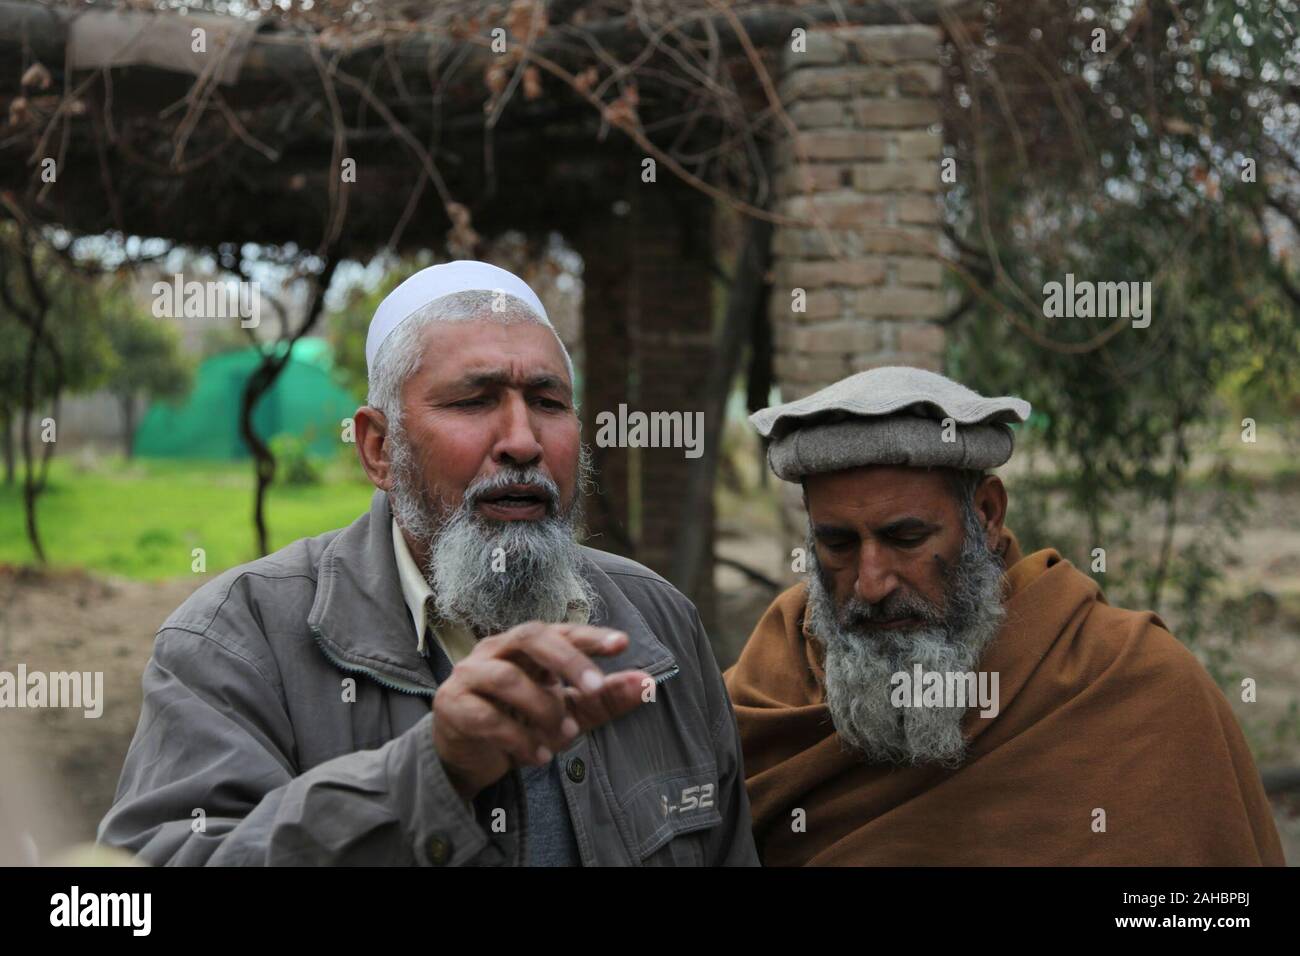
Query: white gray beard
x,y
860,661
542,559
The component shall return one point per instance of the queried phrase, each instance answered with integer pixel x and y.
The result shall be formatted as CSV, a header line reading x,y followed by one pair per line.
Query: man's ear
x,y
371,430
991,506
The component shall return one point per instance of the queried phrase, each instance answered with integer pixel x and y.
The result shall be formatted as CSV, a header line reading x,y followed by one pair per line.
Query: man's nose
x,y
876,579
516,438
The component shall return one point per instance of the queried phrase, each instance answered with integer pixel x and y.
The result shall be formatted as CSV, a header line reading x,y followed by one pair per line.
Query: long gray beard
x,y
536,574
861,658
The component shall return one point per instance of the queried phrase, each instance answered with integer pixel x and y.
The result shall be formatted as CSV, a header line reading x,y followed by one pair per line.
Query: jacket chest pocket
x,y
670,815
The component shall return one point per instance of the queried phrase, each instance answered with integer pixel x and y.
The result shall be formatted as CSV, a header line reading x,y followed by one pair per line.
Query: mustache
x,y
901,604
542,485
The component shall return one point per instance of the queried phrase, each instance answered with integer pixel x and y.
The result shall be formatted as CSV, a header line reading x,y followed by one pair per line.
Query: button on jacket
x,y
287,720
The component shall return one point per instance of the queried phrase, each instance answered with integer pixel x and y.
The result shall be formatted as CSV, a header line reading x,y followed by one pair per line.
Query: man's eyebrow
x,y
833,531
499,378
909,525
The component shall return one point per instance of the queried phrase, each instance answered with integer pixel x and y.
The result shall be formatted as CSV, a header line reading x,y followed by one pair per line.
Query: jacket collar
x,y
361,619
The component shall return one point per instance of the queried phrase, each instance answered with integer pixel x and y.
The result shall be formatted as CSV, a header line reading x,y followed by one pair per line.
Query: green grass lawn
x,y
142,519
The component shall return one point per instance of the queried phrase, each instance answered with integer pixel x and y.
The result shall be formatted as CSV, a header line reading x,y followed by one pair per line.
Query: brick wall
x,y
865,162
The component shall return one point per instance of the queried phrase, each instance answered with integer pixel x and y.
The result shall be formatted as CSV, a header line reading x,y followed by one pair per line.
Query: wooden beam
x,y
278,56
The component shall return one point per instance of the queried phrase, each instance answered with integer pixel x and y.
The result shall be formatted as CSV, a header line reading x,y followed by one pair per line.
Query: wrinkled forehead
x,y
490,353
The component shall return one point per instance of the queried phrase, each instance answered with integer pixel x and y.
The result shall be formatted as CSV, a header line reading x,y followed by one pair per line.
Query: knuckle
x,y
489,644
506,676
480,718
526,630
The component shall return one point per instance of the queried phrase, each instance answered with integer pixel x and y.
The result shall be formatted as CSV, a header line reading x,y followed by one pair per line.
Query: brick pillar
x,y
863,100
647,326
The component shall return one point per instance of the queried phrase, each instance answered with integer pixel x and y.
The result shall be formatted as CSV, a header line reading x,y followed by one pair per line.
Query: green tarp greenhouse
x,y
305,402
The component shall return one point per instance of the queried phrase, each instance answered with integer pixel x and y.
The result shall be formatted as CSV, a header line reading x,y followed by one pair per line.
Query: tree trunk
x,y
259,383
34,319
47,452
31,488
7,423
127,401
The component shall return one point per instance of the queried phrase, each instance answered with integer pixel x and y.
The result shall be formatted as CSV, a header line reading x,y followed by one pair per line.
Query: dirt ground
x,y
75,621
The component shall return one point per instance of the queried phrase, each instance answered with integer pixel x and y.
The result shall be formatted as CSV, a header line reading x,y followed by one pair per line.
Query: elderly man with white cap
x,y
452,679
932,696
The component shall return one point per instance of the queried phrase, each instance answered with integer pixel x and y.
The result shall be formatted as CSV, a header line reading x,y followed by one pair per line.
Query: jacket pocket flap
x,y
669,804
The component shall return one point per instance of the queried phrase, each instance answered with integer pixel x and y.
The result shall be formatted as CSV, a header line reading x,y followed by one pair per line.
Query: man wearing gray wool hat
x,y
932,696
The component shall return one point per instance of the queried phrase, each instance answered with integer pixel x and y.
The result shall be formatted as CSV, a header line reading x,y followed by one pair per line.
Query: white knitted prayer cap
x,y
435,282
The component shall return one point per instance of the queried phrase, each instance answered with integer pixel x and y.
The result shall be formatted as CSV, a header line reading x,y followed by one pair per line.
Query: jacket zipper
x,y
671,672
414,689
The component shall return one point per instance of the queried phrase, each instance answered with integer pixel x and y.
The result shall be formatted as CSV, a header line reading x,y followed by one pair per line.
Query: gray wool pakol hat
x,y
889,416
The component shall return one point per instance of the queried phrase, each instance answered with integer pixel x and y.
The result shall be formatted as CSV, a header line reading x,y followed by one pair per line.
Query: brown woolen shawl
x,y
1099,708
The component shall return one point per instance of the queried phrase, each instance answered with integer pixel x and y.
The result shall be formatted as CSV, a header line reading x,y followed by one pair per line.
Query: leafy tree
x,y
59,346
347,325
147,359
1130,142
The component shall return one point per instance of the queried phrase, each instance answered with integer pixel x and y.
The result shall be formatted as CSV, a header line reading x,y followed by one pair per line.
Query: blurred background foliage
x,y
1170,157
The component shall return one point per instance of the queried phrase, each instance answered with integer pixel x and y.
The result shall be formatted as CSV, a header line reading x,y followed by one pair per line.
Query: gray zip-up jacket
x,y
287,720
